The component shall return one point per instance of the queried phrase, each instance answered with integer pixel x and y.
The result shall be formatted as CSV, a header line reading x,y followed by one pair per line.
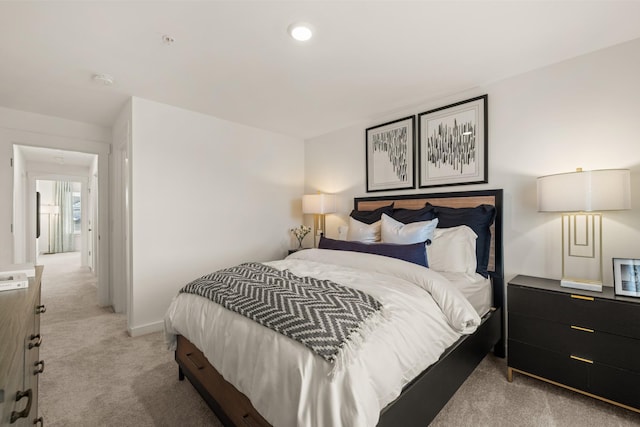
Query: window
x,y
77,212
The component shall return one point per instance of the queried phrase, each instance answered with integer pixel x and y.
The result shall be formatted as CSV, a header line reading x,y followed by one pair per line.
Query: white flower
x,y
301,231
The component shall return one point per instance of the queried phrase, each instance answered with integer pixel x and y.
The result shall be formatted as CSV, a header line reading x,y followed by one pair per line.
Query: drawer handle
x,y
15,416
38,343
579,328
582,297
41,309
39,370
40,421
194,362
581,359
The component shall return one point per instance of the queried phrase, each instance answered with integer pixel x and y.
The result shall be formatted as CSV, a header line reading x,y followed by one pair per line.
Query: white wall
x,y
23,128
19,207
206,194
120,227
578,113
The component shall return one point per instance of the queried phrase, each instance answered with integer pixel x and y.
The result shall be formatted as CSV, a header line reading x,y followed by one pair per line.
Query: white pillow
x,y
361,232
343,230
453,249
394,231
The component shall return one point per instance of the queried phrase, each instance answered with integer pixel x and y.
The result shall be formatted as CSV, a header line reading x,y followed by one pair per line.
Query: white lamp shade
x,y
598,190
318,203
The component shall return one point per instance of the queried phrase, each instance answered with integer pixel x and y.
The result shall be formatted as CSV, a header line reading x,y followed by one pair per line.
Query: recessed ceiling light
x,y
104,79
300,31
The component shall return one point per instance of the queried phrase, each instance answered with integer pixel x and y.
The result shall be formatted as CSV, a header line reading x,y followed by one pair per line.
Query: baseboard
x,y
146,329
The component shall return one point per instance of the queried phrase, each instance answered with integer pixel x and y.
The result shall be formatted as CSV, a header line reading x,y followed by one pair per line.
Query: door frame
x,y
102,261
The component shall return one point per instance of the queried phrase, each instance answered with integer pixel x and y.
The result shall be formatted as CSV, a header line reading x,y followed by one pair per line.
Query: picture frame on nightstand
x,y
626,277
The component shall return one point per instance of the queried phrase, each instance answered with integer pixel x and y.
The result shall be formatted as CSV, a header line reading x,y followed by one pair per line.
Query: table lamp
x,y
580,196
319,205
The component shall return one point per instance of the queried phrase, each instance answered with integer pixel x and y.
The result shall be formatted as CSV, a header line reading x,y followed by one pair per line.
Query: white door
x,y
91,218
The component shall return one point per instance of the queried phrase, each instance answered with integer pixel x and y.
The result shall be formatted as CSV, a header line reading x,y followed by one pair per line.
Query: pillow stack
x,y
379,233
459,239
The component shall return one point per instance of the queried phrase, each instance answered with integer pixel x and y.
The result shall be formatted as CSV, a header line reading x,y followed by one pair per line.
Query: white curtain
x,y
61,238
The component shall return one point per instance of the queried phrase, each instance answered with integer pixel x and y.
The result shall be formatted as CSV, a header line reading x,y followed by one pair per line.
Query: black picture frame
x,y
390,155
453,144
626,277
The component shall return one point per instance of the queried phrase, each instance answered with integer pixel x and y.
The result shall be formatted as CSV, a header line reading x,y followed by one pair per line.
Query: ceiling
x,y
235,60
60,157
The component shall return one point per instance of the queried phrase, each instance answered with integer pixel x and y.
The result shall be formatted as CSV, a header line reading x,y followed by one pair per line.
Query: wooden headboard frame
x,y
463,199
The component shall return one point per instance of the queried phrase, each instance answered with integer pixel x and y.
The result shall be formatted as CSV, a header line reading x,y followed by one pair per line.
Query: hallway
x,y
96,375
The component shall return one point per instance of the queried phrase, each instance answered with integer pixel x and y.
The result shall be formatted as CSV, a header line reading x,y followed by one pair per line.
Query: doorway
x,y
64,222
56,207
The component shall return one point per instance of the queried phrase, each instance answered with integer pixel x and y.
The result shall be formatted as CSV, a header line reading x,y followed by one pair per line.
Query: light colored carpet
x,y
96,375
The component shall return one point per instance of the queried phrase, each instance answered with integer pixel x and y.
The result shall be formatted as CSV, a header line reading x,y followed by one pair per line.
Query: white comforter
x,y
290,385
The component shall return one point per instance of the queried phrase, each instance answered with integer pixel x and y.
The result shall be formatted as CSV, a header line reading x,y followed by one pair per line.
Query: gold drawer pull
x,y
579,328
582,297
581,359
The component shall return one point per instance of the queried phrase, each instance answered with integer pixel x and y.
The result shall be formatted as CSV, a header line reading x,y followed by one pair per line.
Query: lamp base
x,y
587,285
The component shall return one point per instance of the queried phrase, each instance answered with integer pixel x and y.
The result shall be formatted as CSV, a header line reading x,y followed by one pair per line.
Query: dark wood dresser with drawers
x,y
20,363
586,341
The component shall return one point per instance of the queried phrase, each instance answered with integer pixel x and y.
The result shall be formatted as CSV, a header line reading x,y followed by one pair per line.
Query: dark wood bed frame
x,y
421,399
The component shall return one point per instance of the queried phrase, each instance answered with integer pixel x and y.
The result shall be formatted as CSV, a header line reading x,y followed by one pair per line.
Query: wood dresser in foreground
x,y
20,362
585,341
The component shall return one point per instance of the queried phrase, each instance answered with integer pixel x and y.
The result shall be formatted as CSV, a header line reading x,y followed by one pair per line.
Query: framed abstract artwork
x,y
626,277
453,143
390,155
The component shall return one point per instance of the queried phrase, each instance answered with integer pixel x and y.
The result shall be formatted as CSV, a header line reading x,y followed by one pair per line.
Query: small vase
x,y
299,244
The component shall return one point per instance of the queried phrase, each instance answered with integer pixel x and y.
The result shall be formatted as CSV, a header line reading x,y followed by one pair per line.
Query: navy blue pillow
x,y
479,219
415,253
407,216
369,217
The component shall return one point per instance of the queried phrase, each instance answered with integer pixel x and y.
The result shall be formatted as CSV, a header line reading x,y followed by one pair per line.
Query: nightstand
x,y
585,341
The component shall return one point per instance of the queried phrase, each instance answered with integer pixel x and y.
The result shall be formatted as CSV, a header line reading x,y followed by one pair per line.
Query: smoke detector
x,y
168,40
104,79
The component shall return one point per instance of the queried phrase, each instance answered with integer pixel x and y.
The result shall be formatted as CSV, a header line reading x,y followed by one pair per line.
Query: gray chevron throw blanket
x,y
320,314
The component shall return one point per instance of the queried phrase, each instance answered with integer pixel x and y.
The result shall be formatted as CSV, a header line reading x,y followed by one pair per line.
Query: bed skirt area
x,y
232,408
439,382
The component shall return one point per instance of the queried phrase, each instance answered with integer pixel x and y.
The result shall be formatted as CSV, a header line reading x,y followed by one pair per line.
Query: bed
x,y
416,401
